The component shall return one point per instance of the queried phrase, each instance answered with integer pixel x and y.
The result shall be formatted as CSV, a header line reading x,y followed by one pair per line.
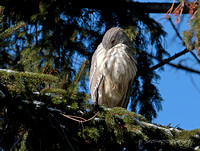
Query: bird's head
x,y
113,37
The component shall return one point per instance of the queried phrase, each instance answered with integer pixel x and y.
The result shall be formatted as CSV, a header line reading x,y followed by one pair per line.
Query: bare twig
x,y
179,66
18,140
62,131
194,83
192,7
170,10
179,12
177,33
179,36
75,118
166,61
195,56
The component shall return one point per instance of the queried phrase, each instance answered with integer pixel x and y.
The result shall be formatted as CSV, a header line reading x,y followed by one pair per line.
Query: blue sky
x,y
179,89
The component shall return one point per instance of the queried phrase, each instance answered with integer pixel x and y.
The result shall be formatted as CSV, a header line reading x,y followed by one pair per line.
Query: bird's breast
x,y
118,67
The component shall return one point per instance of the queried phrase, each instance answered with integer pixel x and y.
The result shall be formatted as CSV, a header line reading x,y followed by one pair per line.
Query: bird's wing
x,y
96,81
126,97
131,62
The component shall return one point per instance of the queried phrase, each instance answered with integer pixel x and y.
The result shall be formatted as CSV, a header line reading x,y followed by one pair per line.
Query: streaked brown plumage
x,y
113,69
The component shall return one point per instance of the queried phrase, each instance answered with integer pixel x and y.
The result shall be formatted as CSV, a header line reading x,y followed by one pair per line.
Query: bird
x,y
113,69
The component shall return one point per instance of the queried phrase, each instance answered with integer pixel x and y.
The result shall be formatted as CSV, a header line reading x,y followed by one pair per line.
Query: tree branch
x,y
147,7
179,66
166,61
177,33
195,57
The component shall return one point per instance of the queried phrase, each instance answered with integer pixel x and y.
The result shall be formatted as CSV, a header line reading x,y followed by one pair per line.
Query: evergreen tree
x,y
44,100
56,32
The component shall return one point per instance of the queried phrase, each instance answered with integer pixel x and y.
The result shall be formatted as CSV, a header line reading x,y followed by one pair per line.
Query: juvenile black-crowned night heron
x,y
113,69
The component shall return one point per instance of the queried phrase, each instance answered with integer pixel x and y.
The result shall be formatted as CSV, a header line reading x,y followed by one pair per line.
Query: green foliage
x,y
44,100
51,121
6,41
19,82
9,31
192,36
27,111
57,32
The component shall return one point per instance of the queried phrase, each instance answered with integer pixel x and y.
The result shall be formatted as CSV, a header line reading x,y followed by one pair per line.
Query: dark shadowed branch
x,y
178,66
166,61
147,7
179,36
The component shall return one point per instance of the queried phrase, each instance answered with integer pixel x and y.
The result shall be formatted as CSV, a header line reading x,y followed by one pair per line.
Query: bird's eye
x,y
112,42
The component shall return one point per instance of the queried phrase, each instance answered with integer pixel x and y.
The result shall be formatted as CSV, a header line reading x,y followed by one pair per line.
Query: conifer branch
x,y
9,31
29,75
79,75
81,71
